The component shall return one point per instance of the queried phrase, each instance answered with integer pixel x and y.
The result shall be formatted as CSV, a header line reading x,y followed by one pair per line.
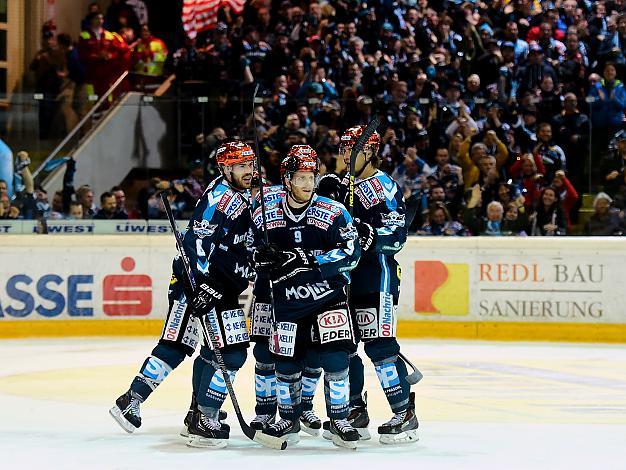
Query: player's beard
x,y
300,196
241,181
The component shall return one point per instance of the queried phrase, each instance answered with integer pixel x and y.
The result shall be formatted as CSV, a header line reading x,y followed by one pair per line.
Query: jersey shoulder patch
x,y
232,204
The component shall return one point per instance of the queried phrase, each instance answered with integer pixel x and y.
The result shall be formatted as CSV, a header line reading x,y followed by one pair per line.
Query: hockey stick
x,y
262,197
256,436
416,375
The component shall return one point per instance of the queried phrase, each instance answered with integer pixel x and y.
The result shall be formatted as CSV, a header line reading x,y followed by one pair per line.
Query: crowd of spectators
x,y
496,116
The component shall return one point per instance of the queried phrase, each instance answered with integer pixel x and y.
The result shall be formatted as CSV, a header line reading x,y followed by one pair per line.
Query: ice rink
x,y
481,405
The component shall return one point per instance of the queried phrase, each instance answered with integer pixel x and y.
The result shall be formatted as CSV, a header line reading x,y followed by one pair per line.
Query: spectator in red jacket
x,y
99,51
567,194
528,172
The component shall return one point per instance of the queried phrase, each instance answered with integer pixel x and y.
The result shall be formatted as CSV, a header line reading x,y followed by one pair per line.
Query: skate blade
x,y
292,438
184,432
205,443
310,431
406,437
345,444
364,433
327,435
117,415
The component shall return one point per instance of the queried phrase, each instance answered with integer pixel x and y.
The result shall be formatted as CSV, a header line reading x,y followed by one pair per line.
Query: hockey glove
x,y
265,258
292,263
330,186
367,235
206,297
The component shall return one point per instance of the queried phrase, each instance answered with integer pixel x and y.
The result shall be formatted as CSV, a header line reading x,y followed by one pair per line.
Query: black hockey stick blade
x,y
415,376
252,434
362,140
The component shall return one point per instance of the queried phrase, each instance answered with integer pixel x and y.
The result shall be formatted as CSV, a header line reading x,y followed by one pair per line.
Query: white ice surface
x,y
481,405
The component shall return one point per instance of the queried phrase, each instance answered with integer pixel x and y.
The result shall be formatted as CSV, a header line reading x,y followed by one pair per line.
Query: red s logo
x,y
127,294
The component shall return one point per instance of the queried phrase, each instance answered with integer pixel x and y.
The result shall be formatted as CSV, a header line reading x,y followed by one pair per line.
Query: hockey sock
x,y
357,380
152,373
265,389
289,394
198,367
212,390
392,376
310,377
337,394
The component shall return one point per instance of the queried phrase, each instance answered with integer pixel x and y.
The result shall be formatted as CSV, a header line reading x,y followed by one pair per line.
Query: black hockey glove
x,y
330,186
207,295
265,258
292,263
367,235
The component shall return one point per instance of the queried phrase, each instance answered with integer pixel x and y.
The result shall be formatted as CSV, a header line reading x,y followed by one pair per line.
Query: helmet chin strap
x,y
366,162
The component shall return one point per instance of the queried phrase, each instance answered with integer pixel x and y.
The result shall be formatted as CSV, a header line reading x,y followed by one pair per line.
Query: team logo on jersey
x,y
393,219
202,228
315,291
349,232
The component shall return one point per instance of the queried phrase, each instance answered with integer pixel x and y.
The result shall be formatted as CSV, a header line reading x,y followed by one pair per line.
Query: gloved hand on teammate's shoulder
x,y
367,235
330,186
207,295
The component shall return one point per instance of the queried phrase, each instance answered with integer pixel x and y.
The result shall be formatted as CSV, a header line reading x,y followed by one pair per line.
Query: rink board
x,y
563,289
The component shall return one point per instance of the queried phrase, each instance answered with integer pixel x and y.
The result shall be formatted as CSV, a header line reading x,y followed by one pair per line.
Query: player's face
x,y
302,186
361,158
241,175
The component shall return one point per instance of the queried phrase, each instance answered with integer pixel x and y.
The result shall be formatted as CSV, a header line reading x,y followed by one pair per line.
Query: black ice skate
x,y
261,422
311,424
358,418
343,434
402,428
285,429
193,408
126,412
207,432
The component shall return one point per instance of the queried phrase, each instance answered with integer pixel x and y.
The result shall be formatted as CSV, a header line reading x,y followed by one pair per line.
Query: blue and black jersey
x,y
325,229
378,201
215,239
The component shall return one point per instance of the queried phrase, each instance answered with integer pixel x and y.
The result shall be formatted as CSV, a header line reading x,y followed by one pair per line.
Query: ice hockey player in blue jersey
x,y
218,228
265,373
312,249
379,216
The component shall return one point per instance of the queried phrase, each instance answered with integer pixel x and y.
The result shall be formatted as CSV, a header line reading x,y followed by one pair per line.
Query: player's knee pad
x,y
334,360
172,354
381,349
235,357
261,352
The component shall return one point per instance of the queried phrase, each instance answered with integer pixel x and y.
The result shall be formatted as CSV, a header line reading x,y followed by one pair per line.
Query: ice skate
x,y
311,424
402,428
286,429
126,412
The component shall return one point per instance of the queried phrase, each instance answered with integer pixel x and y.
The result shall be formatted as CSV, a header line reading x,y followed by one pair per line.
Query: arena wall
x,y
555,289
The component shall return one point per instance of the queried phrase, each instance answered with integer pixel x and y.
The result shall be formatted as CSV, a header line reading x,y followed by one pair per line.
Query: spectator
x,y
149,57
108,208
548,218
98,49
604,221
440,223
76,211
84,195
528,173
492,224
120,200
567,195
552,156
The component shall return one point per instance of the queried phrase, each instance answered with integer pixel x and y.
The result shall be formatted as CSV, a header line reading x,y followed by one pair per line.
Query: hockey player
x,y
309,273
379,216
218,228
265,373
